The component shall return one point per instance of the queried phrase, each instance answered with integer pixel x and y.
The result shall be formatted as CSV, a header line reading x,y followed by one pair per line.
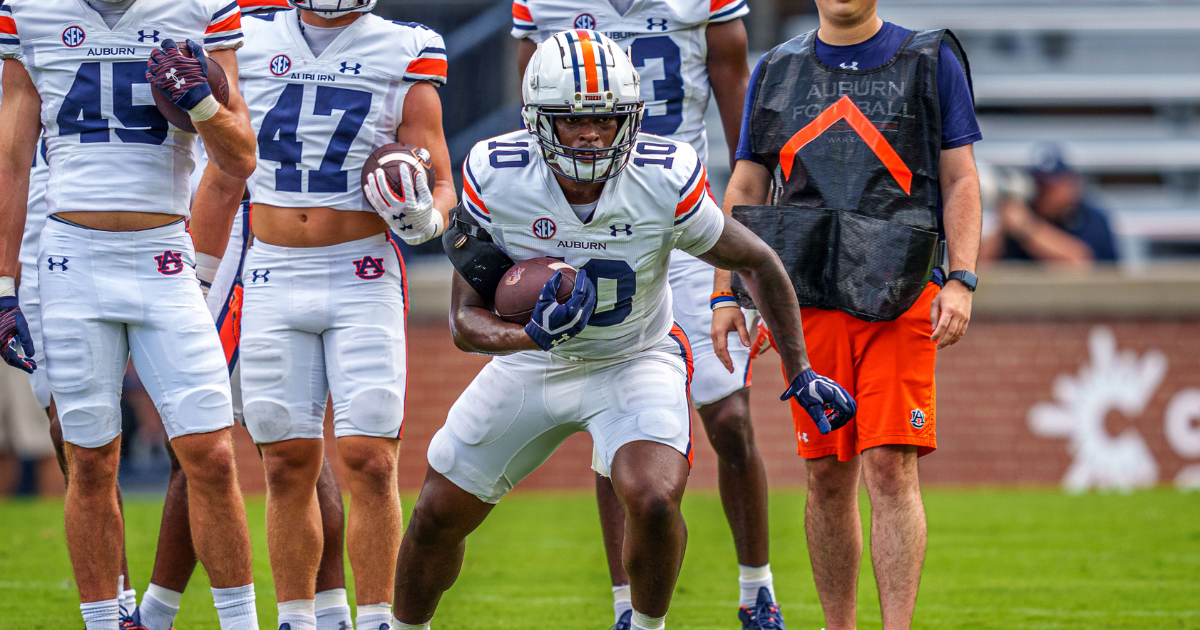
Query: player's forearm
x,y
476,329
214,209
444,198
739,250
775,298
963,219
749,186
12,214
729,76
230,143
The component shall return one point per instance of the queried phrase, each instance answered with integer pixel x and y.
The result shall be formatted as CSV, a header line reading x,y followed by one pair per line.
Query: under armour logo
x,y
61,265
656,23
803,437
174,76
853,66
169,263
628,229
346,67
152,36
404,225
369,268
259,274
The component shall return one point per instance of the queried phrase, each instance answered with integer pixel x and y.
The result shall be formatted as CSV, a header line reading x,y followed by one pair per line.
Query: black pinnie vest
x,y
854,156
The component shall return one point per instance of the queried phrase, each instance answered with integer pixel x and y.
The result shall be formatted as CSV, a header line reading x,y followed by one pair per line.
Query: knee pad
x,y
89,425
441,452
376,411
267,420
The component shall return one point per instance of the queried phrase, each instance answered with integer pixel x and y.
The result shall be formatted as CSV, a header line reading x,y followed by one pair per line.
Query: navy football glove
x,y
184,80
830,406
14,329
554,323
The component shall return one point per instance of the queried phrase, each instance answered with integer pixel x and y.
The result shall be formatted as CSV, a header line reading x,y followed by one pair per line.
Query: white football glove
x,y
412,215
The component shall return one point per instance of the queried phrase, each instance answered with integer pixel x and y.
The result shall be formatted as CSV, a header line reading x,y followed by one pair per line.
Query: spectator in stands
x,y
1058,226
24,432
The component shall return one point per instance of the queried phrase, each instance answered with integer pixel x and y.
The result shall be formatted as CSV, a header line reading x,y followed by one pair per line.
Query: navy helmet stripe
x,y
603,63
574,61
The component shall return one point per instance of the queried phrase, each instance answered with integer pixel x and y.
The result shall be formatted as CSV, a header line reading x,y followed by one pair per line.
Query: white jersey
x,y
666,42
319,118
657,203
108,146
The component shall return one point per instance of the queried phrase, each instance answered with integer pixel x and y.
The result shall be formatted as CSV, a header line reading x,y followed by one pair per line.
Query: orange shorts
x,y
886,366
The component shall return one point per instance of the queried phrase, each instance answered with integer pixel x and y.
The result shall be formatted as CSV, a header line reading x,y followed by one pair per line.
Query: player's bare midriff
x,y
313,227
119,221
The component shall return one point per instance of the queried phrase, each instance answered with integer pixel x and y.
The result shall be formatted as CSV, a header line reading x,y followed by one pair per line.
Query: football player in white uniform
x,y
115,262
324,297
681,48
582,184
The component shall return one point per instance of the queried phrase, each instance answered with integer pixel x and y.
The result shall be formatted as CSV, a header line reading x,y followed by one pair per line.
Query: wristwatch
x,y
966,277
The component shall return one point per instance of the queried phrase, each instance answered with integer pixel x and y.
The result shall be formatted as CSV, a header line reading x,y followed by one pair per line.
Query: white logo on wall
x,y
1112,381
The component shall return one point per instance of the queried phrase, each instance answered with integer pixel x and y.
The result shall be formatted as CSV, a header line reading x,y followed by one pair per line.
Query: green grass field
x,y
997,559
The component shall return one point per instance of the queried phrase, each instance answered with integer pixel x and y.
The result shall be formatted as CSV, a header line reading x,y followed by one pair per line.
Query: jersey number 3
x,y
277,138
668,91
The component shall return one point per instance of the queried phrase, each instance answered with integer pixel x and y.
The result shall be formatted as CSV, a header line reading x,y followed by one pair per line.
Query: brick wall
x,y
987,385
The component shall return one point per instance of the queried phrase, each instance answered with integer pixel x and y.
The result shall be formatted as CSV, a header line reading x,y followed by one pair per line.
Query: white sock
x,y
333,611
159,607
101,615
642,622
397,625
374,616
300,614
235,607
750,579
128,599
622,601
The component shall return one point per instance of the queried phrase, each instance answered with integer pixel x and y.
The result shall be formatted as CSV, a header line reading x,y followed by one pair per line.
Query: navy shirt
x,y
959,126
1088,225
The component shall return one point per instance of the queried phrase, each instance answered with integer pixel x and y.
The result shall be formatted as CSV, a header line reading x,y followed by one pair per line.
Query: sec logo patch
x,y
585,21
280,65
73,36
544,228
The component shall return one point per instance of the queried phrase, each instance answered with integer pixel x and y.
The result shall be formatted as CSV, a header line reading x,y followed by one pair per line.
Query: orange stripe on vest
x,y
845,108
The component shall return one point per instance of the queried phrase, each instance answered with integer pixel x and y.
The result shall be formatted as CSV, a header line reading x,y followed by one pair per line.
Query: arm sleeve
x,y
523,25
726,10
10,42
959,127
698,220
430,63
743,146
224,30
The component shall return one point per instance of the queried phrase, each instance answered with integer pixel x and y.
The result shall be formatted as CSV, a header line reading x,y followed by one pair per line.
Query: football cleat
x,y
764,616
625,622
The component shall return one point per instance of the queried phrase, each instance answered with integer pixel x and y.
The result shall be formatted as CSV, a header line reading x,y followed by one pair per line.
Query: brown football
x,y
390,157
217,82
518,291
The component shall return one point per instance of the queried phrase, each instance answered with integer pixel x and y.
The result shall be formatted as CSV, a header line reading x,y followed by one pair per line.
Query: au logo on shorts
x,y
544,228
369,268
917,418
169,263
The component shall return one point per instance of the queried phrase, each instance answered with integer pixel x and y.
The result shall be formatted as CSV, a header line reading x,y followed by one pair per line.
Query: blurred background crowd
x,y
1089,169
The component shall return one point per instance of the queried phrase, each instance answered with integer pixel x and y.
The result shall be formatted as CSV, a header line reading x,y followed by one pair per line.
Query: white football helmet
x,y
334,8
582,73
